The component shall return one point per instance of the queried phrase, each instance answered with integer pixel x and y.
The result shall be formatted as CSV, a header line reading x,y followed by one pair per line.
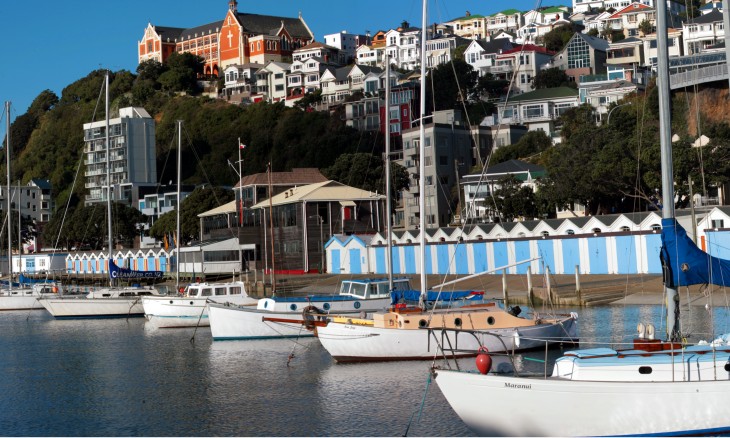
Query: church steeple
x,y
233,5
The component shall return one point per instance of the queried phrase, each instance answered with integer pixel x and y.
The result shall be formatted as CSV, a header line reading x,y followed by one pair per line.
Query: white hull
x,y
496,405
352,342
93,308
173,312
20,302
233,322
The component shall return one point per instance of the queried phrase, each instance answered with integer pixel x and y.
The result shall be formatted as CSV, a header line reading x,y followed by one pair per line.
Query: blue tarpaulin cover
x,y
685,264
414,295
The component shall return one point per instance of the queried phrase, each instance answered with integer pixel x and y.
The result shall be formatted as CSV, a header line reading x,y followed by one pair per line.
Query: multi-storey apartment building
x,y
131,160
448,154
239,38
347,44
470,26
703,32
33,199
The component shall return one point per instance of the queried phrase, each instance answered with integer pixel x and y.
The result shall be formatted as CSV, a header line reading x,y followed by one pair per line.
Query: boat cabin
x,y
377,288
208,290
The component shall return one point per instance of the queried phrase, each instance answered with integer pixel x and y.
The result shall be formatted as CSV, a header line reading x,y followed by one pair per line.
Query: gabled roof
x,y
496,45
710,17
325,191
316,45
297,176
528,48
270,25
506,12
166,32
42,184
227,208
205,29
595,42
634,7
545,93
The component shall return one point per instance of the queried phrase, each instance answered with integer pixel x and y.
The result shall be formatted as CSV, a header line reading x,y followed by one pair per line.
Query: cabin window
x,y
234,290
358,290
344,288
220,291
645,370
490,320
206,292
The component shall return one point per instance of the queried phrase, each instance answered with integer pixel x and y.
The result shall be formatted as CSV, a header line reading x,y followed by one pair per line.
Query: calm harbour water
x,y
124,378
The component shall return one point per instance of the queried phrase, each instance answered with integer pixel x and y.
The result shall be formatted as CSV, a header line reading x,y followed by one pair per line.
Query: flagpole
x,y
240,185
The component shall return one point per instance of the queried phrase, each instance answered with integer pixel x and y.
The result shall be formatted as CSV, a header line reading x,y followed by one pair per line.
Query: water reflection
x,y
121,377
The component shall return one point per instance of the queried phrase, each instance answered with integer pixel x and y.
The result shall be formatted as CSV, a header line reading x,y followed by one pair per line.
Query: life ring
x,y
181,291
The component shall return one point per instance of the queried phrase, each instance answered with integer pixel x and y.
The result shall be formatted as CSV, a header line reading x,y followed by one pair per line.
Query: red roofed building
x,y
239,38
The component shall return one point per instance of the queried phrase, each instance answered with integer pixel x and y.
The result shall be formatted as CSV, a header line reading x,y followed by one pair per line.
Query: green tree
x,y
366,171
513,200
551,78
531,144
449,85
557,38
645,27
200,200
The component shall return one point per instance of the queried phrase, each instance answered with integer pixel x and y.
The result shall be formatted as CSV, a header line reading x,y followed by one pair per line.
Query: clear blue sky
x,y
50,44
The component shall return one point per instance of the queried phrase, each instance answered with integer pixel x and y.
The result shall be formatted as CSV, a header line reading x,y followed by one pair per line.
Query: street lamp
x,y
608,120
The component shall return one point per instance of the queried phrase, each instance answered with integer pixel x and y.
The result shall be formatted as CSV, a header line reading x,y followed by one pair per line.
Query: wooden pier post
x,y
549,288
504,288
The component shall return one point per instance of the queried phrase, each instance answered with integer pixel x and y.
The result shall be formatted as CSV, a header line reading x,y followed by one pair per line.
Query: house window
x,y
531,111
718,223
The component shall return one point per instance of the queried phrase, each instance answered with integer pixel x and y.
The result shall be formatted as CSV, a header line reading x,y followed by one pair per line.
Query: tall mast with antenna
x,y
108,172
7,155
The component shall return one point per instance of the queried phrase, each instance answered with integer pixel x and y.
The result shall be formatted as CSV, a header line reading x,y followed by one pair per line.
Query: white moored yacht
x,y
190,308
281,317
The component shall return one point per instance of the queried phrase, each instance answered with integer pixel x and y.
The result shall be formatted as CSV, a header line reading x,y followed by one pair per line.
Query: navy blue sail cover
x,y
685,264
117,272
414,295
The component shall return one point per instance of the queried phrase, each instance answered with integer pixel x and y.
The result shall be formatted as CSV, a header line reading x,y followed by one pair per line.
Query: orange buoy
x,y
484,360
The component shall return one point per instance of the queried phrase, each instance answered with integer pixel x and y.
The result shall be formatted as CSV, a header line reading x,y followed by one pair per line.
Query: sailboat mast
x,y
178,239
422,154
665,139
389,247
271,230
7,155
108,170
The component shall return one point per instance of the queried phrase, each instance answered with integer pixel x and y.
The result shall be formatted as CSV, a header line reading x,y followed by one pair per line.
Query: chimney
x,y
233,5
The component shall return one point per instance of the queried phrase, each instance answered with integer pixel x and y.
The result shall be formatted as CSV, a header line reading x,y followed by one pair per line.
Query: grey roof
x,y
621,83
166,32
530,225
595,42
269,24
210,28
42,184
710,17
496,45
508,226
579,221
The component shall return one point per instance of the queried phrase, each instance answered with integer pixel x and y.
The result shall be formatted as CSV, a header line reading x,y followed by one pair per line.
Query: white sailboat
x,y
281,317
19,296
656,388
402,334
106,302
190,309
